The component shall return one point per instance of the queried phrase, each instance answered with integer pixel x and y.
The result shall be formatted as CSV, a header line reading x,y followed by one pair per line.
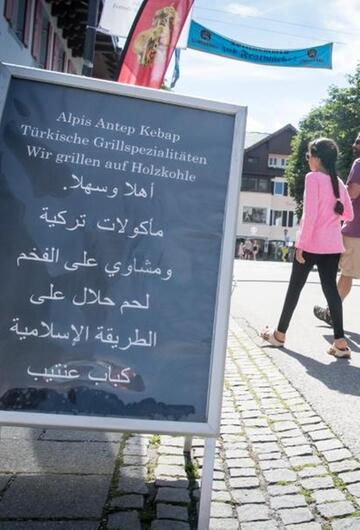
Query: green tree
x,y
338,118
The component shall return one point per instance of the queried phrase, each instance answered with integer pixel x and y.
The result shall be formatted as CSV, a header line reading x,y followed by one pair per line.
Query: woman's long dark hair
x,y
327,151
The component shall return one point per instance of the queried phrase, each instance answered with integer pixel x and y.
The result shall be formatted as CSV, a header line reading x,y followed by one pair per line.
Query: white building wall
x,y
12,49
270,202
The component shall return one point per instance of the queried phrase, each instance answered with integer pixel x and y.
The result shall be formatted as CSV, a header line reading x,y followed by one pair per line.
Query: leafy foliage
x,y
338,118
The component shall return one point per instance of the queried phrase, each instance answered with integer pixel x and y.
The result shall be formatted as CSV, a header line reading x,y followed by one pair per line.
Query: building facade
x,y
266,210
50,34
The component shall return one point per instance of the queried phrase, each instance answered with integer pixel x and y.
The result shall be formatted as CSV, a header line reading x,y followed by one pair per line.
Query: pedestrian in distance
x,y
241,250
319,242
255,250
248,249
350,259
284,253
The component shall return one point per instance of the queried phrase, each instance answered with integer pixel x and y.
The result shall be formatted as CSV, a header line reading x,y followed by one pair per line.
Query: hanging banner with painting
x,y
118,16
151,42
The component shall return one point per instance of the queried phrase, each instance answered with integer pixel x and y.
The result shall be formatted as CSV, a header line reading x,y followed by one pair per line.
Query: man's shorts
x,y
350,259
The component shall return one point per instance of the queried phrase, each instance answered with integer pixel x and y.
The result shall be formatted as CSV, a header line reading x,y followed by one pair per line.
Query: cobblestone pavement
x,y
278,467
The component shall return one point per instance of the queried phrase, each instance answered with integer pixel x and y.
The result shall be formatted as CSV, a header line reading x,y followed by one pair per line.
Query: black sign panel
x,y
111,216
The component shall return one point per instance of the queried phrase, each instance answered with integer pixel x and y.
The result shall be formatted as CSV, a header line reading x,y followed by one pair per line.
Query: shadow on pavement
x,y
339,375
352,338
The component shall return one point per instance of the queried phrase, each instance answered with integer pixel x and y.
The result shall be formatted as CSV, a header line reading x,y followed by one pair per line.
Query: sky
x,y
274,96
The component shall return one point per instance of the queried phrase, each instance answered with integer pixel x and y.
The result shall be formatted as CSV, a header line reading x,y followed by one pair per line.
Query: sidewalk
x,y
278,466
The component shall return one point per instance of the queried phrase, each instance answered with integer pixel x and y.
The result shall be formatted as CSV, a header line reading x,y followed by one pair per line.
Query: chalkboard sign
x,y
117,215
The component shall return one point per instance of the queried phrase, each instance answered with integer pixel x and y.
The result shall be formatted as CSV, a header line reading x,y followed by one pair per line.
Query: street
x,y
332,386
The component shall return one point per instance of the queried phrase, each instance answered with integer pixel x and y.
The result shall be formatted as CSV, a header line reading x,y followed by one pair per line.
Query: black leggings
x,y
327,265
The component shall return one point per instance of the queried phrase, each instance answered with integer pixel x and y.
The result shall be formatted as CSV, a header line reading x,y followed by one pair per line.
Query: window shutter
x,y
286,187
272,187
284,218
271,217
37,31
291,219
28,12
53,49
63,62
71,68
9,9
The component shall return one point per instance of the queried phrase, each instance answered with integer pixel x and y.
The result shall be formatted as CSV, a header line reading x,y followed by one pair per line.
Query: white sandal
x,y
340,353
269,335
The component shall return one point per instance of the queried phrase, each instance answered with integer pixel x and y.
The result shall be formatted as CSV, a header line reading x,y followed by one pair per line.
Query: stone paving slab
x,y
66,496
166,524
304,526
19,433
80,436
264,525
224,524
4,479
26,456
49,525
169,511
347,524
118,521
126,502
335,509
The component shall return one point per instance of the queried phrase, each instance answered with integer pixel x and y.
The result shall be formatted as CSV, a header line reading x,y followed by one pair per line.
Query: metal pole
x,y
90,37
187,444
206,484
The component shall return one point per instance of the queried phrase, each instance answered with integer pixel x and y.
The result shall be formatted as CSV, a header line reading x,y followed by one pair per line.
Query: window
x,y
41,39
273,161
252,160
249,184
264,185
282,218
9,8
291,219
258,184
70,67
254,215
49,47
18,15
58,56
276,218
279,188
279,161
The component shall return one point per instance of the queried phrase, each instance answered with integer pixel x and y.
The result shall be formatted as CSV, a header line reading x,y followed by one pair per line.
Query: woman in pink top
x,y
319,242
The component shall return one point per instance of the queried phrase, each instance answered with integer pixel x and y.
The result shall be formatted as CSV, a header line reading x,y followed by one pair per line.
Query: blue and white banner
x,y
205,40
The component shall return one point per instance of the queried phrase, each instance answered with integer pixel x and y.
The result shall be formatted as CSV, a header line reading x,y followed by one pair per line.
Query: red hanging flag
x,y
152,40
